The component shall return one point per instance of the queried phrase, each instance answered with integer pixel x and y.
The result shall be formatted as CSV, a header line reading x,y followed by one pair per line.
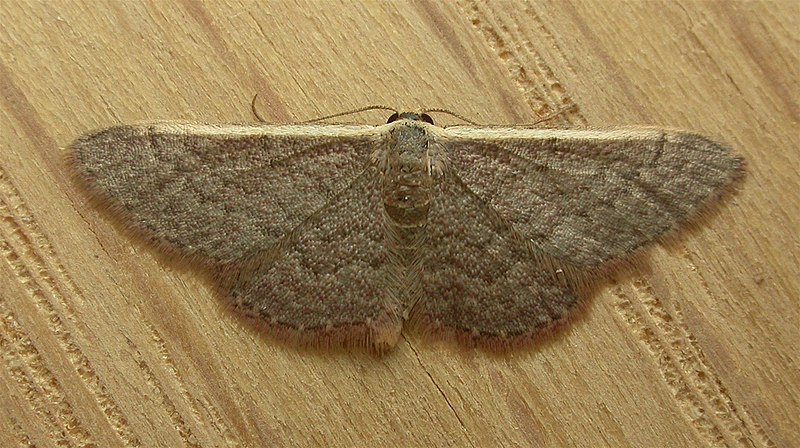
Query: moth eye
x,y
392,118
427,118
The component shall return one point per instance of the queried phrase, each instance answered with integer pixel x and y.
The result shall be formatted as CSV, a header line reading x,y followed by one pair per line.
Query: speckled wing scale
x,y
339,234
524,218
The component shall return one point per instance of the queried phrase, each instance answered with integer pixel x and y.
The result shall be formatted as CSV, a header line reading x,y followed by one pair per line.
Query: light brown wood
x,y
105,343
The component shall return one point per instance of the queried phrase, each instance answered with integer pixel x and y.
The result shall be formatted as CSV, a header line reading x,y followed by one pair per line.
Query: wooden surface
x,y
105,343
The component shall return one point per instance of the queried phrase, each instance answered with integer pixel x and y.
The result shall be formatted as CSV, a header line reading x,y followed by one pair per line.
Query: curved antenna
x,y
349,112
548,117
445,111
556,114
354,111
253,108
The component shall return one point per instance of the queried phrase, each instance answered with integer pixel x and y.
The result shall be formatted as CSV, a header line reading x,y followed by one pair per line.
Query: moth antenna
x,y
255,111
445,111
556,114
547,117
349,112
355,111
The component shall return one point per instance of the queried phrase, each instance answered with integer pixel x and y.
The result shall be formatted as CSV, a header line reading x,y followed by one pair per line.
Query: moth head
x,y
410,116
407,142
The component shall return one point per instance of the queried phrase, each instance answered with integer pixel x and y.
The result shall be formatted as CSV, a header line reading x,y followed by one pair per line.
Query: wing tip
x,y
81,157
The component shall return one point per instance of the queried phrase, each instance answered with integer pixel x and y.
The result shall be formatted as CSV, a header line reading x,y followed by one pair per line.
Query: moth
x,y
344,233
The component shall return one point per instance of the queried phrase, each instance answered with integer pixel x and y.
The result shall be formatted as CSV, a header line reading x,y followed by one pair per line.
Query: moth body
x,y
345,232
406,190
406,178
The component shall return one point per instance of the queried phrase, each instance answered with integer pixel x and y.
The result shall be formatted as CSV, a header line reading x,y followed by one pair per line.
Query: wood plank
x,y
105,341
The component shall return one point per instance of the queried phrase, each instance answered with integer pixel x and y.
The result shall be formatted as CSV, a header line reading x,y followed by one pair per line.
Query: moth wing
x,y
478,280
326,281
220,193
587,197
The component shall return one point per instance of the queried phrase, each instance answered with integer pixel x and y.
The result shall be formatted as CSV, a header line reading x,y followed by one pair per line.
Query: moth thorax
x,y
406,180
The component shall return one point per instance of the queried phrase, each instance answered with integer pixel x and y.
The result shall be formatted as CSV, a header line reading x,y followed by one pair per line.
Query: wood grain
x,y
103,342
